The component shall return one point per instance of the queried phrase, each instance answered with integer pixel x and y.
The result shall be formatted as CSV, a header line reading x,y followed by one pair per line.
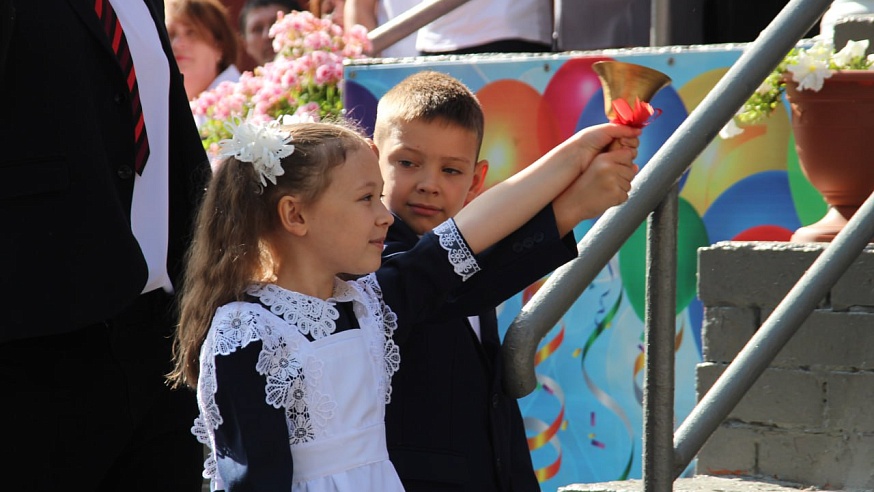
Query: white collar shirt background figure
x,y
483,21
387,10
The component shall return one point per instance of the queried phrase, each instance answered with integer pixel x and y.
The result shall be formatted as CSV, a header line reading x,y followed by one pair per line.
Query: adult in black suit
x,y
450,426
85,339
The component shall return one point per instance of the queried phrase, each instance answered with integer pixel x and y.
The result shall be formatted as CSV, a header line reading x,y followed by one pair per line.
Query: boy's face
x,y
430,171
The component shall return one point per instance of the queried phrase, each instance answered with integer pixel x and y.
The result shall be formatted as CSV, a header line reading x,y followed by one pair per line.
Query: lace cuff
x,y
460,256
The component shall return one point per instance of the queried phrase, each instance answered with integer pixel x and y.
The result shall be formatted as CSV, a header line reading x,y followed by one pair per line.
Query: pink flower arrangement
x,y
305,79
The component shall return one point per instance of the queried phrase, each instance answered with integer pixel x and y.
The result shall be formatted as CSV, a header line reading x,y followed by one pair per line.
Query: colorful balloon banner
x,y
584,420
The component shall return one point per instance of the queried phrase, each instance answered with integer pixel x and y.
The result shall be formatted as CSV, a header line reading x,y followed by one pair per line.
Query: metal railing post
x,y
660,314
661,320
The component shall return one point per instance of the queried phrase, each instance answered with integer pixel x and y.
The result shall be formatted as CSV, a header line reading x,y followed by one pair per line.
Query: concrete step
x,y
698,483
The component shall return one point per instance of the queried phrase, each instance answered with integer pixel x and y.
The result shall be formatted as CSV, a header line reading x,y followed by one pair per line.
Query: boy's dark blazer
x,y
449,424
68,257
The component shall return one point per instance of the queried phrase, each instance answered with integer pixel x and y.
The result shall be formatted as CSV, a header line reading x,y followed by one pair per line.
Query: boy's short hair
x,y
429,96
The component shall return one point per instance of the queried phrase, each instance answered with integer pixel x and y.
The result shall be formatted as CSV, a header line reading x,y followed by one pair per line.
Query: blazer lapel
x,y
85,10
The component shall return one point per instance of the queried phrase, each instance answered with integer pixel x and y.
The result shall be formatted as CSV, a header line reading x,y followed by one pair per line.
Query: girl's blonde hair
x,y
229,250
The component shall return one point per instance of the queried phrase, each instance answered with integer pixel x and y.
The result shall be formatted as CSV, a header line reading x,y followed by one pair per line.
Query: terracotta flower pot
x,y
834,138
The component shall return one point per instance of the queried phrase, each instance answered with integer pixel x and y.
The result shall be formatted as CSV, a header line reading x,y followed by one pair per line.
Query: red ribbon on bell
x,y
639,116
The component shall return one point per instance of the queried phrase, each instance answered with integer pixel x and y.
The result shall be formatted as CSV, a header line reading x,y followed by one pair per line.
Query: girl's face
x,y
198,56
348,223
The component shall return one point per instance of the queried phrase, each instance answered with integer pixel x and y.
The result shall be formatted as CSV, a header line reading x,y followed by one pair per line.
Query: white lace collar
x,y
311,315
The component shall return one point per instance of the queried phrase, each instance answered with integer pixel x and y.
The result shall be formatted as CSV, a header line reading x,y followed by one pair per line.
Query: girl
x,y
294,366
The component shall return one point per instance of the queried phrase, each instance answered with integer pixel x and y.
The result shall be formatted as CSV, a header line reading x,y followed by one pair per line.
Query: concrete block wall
x,y
810,417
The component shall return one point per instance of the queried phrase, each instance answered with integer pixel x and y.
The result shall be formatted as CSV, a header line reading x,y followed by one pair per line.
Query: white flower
x,y
264,145
808,68
290,119
731,129
821,50
850,52
810,71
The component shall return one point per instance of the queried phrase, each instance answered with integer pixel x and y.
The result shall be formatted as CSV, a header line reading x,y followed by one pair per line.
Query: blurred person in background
x,y
600,24
256,17
333,9
490,26
204,43
373,13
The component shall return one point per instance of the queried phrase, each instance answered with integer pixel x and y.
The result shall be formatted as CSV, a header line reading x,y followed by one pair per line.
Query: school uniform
x,y
450,426
292,388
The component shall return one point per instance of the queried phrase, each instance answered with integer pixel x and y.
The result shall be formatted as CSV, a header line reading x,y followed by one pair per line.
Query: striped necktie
x,y
119,45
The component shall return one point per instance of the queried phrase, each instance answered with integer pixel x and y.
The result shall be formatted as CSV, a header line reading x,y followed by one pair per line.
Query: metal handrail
x,y
649,189
409,22
655,189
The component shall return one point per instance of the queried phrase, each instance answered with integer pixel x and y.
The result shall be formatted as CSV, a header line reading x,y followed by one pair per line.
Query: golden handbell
x,y
628,81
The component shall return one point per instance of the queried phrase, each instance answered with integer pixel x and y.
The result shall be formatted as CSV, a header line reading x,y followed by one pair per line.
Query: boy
x,y
449,424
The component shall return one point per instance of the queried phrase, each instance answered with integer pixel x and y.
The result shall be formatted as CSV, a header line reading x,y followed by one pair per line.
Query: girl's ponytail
x,y
225,256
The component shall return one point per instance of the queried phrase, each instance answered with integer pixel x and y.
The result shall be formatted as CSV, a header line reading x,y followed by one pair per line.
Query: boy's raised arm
x,y
505,207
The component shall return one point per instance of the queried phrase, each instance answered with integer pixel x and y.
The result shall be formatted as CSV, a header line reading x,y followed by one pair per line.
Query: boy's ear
x,y
373,147
479,180
290,215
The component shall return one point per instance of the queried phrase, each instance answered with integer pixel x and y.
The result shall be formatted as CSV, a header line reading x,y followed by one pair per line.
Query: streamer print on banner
x,y
547,433
543,433
599,394
640,360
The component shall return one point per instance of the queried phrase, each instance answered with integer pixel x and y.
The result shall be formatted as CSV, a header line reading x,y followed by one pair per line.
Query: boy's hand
x,y
578,177
593,140
604,184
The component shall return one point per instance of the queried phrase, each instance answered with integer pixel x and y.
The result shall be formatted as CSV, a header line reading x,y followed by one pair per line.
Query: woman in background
x,y
204,43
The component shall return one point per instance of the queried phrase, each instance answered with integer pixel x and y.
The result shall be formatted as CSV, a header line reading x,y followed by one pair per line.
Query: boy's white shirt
x,y
474,325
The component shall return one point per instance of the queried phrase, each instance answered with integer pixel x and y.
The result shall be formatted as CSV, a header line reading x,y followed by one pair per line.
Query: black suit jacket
x,y
68,257
450,426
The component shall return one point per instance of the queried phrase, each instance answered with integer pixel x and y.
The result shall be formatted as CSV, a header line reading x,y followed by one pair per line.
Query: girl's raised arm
x,y
506,206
